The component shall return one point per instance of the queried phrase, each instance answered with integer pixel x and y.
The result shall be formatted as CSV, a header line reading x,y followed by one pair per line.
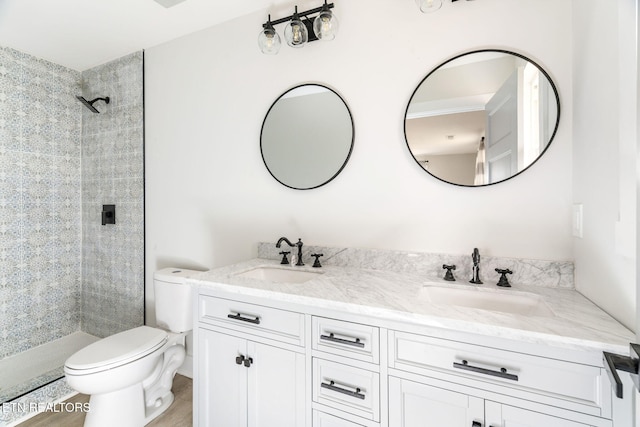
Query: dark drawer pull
x,y
332,338
331,386
502,373
239,316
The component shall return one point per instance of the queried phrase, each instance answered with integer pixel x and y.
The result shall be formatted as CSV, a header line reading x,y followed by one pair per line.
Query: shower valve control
x,y
108,214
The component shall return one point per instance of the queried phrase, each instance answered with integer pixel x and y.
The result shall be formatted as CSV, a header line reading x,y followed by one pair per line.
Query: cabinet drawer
x,y
347,339
281,325
322,419
346,388
556,378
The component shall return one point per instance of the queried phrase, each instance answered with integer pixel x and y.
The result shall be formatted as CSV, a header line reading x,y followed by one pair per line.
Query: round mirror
x,y
482,117
307,137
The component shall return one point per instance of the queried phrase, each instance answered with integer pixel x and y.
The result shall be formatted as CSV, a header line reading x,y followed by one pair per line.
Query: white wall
x,y
209,198
604,120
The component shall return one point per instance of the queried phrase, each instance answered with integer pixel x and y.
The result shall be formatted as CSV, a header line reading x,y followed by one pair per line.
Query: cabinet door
x,y
276,387
413,404
222,386
321,419
499,415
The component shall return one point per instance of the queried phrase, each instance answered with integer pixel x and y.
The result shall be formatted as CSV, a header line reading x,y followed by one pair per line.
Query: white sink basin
x,y
279,274
513,302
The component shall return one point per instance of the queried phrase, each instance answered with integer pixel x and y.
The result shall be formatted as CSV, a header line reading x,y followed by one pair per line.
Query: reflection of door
x,y
548,111
502,132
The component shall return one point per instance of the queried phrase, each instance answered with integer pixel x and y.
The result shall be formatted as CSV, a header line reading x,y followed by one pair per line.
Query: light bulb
x,y
325,26
295,33
428,6
269,41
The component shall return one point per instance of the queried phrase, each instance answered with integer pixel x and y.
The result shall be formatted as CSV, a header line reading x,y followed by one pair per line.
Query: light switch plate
x,y
577,220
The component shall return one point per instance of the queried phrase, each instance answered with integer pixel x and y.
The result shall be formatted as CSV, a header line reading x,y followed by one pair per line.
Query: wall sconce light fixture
x,y
428,6
301,28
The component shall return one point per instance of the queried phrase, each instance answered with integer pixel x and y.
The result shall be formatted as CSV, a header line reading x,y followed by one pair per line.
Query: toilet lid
x,y
118,349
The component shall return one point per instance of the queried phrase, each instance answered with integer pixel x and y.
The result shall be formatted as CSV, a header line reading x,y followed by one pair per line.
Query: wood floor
x,y
179,413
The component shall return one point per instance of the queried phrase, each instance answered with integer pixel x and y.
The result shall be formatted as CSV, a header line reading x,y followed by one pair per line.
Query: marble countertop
x,y
576,322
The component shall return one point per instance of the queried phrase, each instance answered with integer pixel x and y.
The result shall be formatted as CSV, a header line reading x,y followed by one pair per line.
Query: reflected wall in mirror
x,y
482,117
307,137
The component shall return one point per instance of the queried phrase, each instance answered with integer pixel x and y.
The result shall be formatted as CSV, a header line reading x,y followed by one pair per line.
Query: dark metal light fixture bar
x,y
300,14
302,27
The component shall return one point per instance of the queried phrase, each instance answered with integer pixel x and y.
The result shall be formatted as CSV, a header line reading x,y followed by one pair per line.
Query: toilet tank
x,y
174,299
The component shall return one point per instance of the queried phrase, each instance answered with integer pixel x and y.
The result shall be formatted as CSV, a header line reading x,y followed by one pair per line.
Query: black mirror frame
x,y
353,135
553,134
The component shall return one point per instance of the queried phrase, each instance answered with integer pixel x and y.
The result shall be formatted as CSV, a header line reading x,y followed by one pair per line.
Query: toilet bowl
x,y
129,375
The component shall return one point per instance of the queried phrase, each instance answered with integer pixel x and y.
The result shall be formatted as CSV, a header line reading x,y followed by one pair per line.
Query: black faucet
x,y
299,245
475,256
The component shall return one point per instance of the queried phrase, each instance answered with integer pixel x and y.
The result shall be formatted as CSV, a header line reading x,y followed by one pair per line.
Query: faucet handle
x,y
503,282
449,275
284,257
316,263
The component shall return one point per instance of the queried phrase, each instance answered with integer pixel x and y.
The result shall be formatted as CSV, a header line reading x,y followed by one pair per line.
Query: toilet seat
x,y
116,350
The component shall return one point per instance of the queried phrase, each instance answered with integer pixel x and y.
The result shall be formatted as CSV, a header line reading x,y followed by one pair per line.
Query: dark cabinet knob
x,y
246,361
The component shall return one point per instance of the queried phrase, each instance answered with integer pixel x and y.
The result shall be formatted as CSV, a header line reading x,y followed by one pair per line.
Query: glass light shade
x,y
428,6
325,26
269,41
295,33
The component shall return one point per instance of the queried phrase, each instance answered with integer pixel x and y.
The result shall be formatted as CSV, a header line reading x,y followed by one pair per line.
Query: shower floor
x,y
38,366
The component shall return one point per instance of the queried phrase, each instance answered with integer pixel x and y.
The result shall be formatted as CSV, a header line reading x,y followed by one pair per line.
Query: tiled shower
x,y
112,292
61,270
40,199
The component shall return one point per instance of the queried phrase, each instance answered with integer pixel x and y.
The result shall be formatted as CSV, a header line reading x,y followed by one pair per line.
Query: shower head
x,y
89,104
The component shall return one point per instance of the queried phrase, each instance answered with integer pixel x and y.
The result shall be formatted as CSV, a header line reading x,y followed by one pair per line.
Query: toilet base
x,y
123,408
154,412
140,403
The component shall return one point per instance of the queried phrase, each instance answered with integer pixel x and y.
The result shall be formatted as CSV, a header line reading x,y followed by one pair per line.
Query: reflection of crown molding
x,y
304,90
448,106
168,3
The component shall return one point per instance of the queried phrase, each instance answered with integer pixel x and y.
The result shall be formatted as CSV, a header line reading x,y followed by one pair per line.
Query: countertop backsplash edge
x,y
529,272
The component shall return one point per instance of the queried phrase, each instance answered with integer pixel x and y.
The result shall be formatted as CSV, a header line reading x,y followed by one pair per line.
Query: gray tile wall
x,y
112,173
60,269
40,200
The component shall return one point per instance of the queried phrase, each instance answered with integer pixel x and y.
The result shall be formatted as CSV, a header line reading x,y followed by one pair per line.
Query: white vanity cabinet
x,y
322,419
413,404
268,361
498,415
346,377
461,384
416,404
242,378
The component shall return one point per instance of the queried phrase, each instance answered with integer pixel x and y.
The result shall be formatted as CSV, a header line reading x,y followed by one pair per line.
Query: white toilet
x,y
129,374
